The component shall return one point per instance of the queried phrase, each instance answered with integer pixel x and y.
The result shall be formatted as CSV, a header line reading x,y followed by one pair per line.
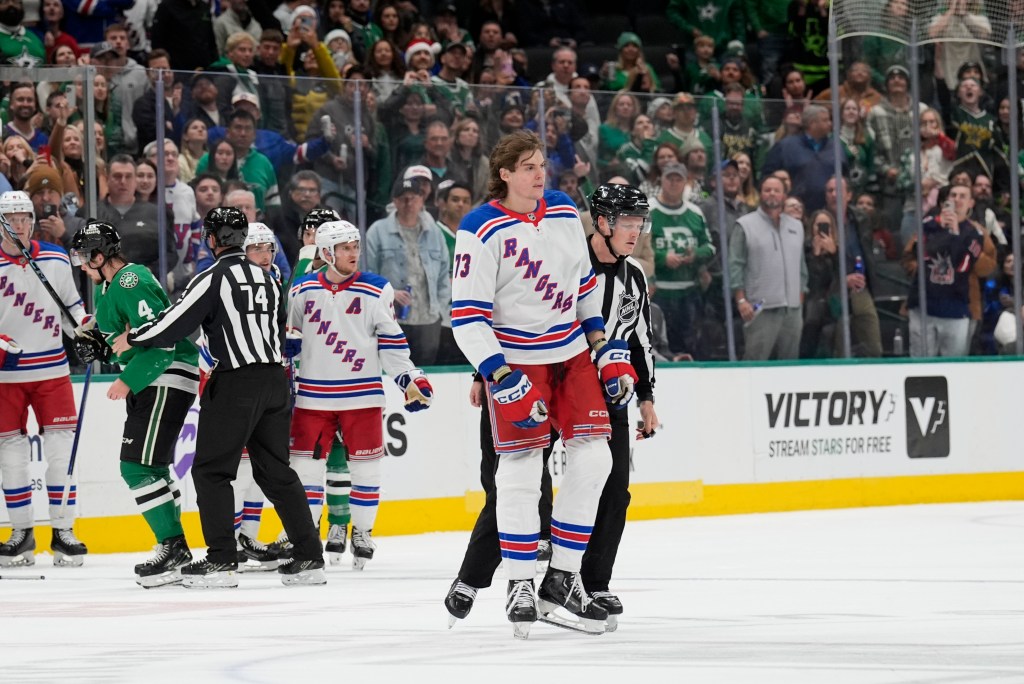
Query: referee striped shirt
x,y
626,307
237,304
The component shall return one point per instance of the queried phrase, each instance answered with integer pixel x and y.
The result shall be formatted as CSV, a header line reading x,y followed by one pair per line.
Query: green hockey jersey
x,y
132,298
679,230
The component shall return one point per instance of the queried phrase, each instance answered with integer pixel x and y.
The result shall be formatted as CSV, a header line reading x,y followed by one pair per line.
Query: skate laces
x,y
67,536
577,589
253,544
161,551
464,590
336,533
17,537
601,595
360,538
521,595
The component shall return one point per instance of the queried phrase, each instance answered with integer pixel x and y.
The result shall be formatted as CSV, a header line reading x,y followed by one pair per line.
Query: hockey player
x,y
158,386
620,216
342,328
339,480
34,373
524,310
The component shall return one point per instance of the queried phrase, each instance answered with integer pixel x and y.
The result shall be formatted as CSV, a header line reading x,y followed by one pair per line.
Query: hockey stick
x,y
74,444
38,271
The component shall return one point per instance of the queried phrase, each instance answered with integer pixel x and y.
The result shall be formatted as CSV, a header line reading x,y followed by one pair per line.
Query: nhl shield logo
x,y
629,308
532,217
128,280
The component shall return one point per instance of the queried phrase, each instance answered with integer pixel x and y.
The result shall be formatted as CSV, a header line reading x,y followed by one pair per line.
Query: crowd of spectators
x,y
385,112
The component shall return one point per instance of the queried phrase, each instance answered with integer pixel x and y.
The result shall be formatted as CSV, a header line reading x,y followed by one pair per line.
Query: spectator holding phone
x,y
46,189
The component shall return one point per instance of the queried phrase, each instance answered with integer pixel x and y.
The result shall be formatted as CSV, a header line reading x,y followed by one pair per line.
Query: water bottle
x,y
897,343
858,268
758,305
402,310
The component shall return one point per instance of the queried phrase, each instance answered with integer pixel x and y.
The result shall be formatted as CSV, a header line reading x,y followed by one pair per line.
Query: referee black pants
x,y
599,557
483,554
248,407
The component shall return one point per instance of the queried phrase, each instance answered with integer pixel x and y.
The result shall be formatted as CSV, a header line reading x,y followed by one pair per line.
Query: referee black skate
x,y
246,402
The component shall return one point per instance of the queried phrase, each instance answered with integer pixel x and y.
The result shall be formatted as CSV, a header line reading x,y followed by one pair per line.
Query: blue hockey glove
x,y
617,375
418,392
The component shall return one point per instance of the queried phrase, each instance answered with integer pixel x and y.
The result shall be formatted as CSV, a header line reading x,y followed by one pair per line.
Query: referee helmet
x,y
227,225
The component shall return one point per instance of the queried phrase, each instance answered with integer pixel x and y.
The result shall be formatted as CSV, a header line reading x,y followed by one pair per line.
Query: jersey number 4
x,y
461,266
257,297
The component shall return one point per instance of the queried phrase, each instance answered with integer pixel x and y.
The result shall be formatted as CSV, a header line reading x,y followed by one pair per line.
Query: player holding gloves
x,y
342,329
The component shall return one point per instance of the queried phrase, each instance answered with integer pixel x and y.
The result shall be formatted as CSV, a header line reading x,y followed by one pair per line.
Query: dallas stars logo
x,y
708,12
25,60
128,280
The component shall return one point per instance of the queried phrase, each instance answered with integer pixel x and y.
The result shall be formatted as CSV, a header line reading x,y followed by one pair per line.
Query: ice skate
x,y
521,607
282,547
207,575
459,601
337,540
362,548
302,572
612,604
561,589
19,549
164,568
543,555
255,556
68,550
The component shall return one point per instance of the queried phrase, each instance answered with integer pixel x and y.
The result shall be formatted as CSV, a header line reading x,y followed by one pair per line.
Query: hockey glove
x,y
91,346
88,323
292,343
10,353
518,400
418,391
617,375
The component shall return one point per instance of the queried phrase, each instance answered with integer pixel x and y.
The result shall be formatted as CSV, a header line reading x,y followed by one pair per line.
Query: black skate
x,y
68,550
164,568
282,547
561,589
18,550
459,601
362,548
337,540
521,607
612,604
207,575
302,572
255,556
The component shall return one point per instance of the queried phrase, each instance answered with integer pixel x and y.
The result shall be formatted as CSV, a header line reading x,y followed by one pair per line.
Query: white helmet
x,y
335,233
17,202
259,234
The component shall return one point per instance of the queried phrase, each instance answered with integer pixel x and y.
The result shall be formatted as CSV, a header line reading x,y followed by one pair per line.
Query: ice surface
x,y
881,595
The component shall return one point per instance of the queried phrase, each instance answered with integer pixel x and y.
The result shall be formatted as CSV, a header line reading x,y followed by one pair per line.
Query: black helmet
x,y
611,201
227,225
317,217
95,236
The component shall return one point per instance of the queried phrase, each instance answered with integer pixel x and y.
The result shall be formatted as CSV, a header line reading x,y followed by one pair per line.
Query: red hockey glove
x,y
518,400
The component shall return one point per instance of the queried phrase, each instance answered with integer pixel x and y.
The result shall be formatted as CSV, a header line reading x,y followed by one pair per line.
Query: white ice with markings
x,y
908,594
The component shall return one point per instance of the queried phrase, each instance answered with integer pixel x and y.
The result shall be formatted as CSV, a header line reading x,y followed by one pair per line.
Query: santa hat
x,y
421,45
337,33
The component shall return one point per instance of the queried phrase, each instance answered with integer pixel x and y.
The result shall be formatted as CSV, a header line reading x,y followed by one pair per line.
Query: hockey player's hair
x,y
506,155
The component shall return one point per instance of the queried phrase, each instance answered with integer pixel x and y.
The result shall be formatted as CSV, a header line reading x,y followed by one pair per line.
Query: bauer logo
x,y
927,408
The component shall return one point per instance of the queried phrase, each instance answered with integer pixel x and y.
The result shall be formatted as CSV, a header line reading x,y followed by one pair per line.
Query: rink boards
x,y
736,439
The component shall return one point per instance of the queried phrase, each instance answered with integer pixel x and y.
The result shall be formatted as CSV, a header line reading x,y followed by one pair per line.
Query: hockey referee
x,y
246,402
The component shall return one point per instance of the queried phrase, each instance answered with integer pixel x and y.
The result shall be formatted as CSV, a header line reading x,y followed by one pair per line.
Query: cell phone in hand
x,y
823,227
49,210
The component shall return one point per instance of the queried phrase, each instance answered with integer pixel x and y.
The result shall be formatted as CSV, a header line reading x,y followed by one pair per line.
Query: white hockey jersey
x,y
348,333
30,317
522,285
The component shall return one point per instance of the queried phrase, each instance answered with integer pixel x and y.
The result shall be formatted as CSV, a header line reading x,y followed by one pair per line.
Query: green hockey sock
x,y
156,495
339,485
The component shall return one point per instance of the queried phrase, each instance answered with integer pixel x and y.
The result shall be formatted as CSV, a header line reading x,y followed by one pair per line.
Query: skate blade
x,y
581,625
217,580
452,620
521,630
311,577
62,560
358,563
24,560
251,565
335,557
162,580
612,624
